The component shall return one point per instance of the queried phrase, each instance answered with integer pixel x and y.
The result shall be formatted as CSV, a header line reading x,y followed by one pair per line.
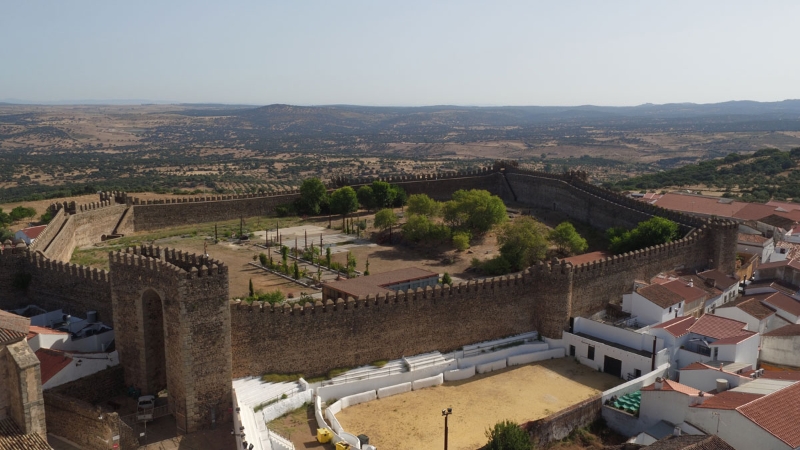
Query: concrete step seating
x,y
473,349
425,360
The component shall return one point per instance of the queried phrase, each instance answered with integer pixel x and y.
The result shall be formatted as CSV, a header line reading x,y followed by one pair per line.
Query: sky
x,y
402,53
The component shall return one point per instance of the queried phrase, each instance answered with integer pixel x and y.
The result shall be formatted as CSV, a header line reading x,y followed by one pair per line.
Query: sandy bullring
x,y
520,394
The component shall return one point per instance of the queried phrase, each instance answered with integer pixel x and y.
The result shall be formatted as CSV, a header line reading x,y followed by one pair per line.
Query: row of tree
x,y
314,198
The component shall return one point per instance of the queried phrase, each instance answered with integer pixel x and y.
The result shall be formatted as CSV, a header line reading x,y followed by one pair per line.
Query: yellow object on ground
x,y
324,435
342,445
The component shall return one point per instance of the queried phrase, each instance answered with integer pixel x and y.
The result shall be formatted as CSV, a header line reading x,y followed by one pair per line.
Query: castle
x,y
178,329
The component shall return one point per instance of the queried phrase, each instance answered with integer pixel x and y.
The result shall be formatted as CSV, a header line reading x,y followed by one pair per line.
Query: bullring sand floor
x,y
519,394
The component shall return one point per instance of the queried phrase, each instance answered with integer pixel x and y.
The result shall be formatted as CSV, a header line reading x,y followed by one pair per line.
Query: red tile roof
x,y
752,306
677,326
8,336
34,330
721,280
735,339
688,293
588,257
775,285
12,438
701,205
718,327
793,263
52,362
752,238
755,211
377,283
660,295
777,413
788,206
689,442
729,400
670,385
34,232
785,331
782,301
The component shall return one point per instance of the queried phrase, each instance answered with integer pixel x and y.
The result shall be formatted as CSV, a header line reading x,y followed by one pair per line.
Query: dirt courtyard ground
x,y
519,394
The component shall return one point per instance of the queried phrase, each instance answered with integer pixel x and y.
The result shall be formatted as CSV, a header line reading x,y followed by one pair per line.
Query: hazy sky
x,y
401,52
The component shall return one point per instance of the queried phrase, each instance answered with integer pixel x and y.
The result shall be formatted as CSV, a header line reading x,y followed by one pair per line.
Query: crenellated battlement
x,y
204,198
41,262
422,177
157,259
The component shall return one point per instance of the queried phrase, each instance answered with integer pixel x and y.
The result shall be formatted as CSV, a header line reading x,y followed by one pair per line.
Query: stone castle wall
x,y
46,237
83,228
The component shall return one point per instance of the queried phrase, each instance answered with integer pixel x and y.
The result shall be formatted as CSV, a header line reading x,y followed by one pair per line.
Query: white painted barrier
x,y
490,356
321,423
335,407
427,382
286,405
344,389
331,416
394,390
352,400
490,366
533,357
459,374
350,439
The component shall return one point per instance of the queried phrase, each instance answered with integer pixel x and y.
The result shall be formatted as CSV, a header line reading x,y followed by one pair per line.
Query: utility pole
x,y
446,413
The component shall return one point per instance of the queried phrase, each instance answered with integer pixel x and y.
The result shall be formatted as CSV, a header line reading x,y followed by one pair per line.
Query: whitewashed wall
x,y
784,350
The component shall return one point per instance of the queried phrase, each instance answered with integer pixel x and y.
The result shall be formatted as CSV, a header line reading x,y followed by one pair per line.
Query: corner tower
x,y
173,330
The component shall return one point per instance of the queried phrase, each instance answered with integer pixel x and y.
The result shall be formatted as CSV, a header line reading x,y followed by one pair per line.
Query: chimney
x,y
676,431
701,397
659,383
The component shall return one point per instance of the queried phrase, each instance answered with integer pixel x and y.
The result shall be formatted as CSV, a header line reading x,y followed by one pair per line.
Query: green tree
x,y
22,212
46,217
385,219
383,194
400,196
475,209
366,198
5,218
461,240
262,258
416,228
567,239
655,231
344,201
446,279
296,270
423,205
522,242
507,435
252,292
328,257
313,196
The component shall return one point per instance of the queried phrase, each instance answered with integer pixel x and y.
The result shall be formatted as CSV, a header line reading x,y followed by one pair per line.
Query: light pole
x,y
445,413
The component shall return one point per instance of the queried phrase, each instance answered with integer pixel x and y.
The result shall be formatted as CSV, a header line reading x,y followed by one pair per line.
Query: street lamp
x,y
445,413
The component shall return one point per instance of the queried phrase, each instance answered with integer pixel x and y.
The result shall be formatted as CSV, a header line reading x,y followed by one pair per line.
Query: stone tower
x,y
172,323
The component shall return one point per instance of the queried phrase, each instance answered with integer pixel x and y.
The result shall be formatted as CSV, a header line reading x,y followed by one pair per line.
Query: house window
x,y
670,309
571,350
590,352
637,373
716,353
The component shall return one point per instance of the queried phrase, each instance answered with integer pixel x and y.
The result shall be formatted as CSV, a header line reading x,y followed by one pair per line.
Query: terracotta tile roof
x,y
701,205
788,330
793,263
792,249
782,301
588,257
781,375
8,336
690,442
677,326
755,211
52,362
776,285
12,438
686,292
752,238
697,366
728,400
778,221
34,232
660,295
670,385
34,330
721,280
735,339
374,284
752,306
788,206
718,327
778,414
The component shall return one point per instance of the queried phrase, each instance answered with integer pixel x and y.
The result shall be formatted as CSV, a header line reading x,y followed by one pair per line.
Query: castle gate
x,y
172,323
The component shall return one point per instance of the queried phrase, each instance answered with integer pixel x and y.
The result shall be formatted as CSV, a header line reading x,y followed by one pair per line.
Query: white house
x,y
707,339
786,307
782,346
29,235
755,244
669,401
750,309
658,303
616,351
706,378
787,270
724,288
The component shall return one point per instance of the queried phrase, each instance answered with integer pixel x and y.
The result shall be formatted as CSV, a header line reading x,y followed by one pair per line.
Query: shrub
x,y
461,240
507,435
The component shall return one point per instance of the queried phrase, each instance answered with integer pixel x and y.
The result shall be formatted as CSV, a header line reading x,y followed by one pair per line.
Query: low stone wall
x,y
559,425
86,425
